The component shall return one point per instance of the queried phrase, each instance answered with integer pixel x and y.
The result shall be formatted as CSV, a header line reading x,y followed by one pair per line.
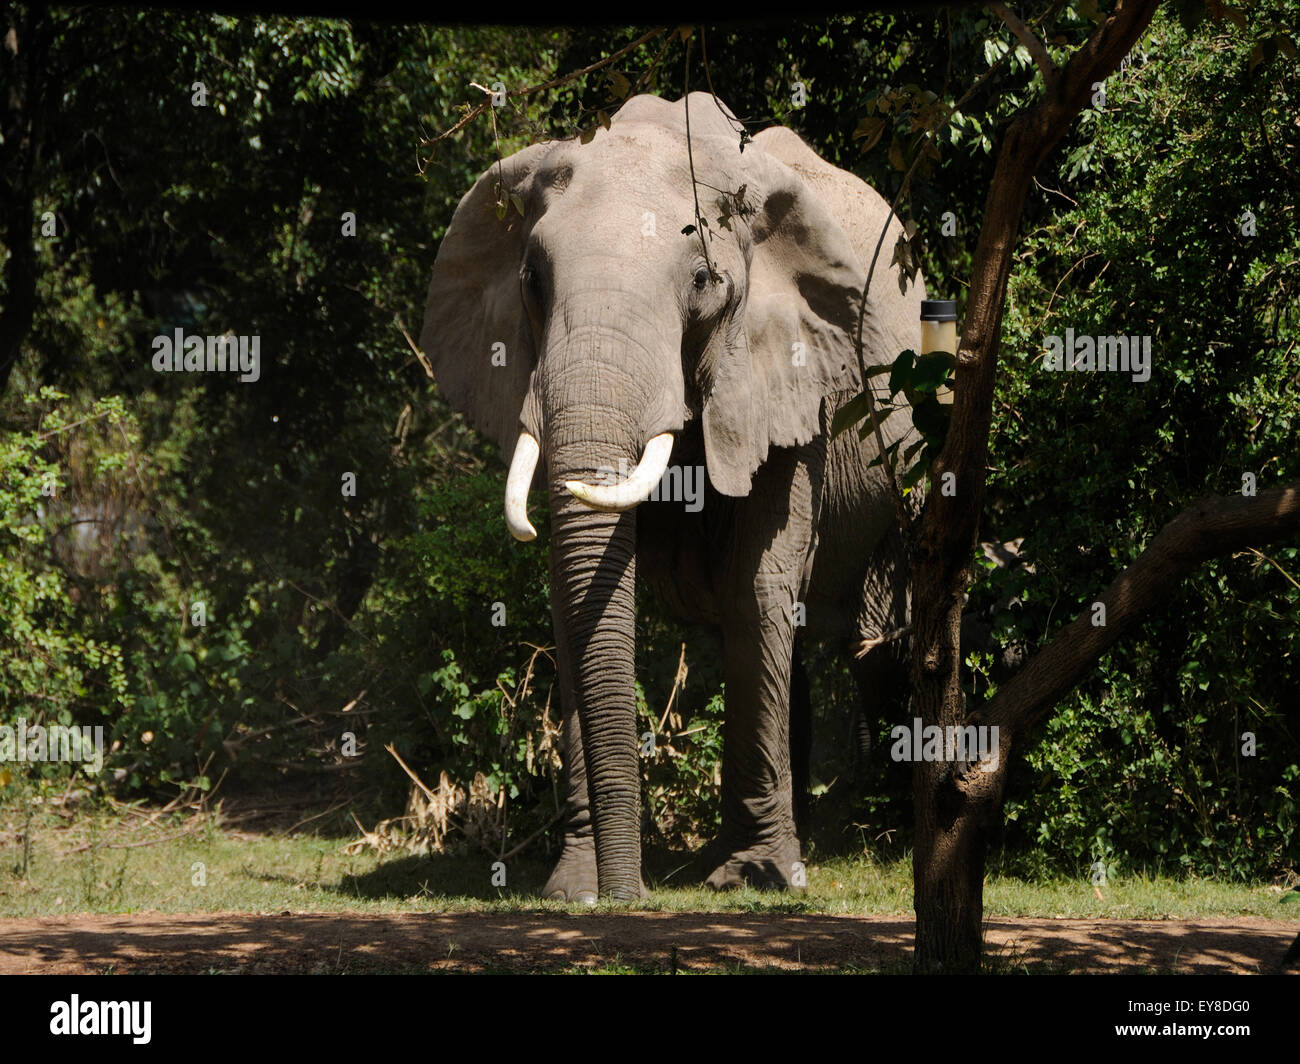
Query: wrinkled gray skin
x,y
614,333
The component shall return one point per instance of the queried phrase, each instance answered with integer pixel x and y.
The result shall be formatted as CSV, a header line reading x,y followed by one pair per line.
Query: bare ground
x,y
548,941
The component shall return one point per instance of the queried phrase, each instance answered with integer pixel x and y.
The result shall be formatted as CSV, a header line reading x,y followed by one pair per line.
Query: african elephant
x,y
591,330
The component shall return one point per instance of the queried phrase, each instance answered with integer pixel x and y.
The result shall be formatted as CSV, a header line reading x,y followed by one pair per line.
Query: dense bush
x,y
1145,763
338,621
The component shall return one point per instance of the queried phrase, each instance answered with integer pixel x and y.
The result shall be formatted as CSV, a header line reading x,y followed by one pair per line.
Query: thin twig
x,y
708,77
73,424
420,355
1032,44
654,65
1052,298
886,460
475,112
690,158
679,681
407,769
129,845
1275,565
540,831
315,816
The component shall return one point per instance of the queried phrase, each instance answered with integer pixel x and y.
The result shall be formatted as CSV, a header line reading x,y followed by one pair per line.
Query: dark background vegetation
x,y
372,614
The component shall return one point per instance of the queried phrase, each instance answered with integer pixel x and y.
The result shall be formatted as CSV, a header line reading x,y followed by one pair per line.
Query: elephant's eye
x,y
701,278
531,279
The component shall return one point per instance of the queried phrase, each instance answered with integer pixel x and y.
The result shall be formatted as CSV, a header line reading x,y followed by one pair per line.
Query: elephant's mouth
x,y
615,498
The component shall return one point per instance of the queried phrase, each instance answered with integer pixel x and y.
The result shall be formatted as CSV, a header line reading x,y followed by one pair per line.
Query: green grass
x,y
209,869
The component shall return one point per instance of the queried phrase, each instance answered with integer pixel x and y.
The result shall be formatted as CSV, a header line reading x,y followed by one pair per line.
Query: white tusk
x,y
522,466
637,487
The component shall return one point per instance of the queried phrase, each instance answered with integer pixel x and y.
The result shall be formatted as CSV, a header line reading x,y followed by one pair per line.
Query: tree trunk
x,y
955,808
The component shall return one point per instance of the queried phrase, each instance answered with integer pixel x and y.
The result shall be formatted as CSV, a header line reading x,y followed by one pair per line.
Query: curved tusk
x,y
522,466
637,487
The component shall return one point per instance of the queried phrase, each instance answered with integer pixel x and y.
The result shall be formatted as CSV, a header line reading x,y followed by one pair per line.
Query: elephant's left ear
x,y
796,342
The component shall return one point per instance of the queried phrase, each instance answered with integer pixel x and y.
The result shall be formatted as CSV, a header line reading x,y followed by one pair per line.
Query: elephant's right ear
x,y
476,332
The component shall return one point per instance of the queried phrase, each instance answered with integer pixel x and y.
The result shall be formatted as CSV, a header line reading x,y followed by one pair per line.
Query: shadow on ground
x,y
638,941
470,875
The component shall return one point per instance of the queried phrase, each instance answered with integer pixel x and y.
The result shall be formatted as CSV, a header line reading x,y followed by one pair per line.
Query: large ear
x,y
475,302
813,231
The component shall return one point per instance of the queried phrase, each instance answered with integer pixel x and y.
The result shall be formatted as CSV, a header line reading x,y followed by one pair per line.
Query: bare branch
x,y
1209,527
554,83
690,158
415,348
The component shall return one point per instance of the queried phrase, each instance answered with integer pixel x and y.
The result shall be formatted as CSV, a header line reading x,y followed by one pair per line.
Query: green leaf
x,y
931,371
1232,14
1190,14
901,375
619,85
896,159
930,418
869,131
913,476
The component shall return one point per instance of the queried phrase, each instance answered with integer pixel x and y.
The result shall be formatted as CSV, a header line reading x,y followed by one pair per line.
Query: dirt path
x,y
331,942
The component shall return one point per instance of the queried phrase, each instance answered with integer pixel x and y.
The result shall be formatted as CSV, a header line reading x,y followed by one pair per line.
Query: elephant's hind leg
x,y
878,653
800,743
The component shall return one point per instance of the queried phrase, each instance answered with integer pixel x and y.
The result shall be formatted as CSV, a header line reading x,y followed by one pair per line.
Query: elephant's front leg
x,y
574,877
766,555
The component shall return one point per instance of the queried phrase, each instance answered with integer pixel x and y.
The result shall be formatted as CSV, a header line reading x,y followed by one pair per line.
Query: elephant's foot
x,y
575,878
768,866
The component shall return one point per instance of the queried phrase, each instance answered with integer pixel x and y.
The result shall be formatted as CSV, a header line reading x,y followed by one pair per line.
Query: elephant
x,y
613,336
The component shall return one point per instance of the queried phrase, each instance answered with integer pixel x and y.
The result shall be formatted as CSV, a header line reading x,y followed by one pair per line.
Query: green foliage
x,y
51,671
372,613
919,378
1144,761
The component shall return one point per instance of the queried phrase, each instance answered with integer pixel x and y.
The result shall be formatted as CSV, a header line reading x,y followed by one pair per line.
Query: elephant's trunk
x,y
603,391
593,571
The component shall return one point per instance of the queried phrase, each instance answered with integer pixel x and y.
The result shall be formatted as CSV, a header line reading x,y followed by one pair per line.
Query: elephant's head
x,y
589,328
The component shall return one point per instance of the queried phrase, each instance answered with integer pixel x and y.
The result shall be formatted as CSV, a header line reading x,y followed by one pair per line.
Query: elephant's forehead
x,y
634,155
